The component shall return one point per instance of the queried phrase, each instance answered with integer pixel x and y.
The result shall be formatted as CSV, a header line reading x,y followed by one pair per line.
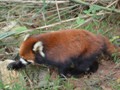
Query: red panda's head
x,y
27,52
28,48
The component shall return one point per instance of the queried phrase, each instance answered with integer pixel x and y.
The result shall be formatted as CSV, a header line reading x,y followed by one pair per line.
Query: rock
x,y
33,76
7,76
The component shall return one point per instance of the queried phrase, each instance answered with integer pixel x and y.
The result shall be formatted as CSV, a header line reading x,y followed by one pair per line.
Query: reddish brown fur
x,y
26,49
61,45
110,47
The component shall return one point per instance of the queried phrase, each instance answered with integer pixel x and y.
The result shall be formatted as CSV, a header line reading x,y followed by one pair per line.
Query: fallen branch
x,y
61,22
33,1
104,8
65,21
86,21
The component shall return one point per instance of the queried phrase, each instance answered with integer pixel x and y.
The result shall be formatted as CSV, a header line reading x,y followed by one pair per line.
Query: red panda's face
x,y
29,49
26,50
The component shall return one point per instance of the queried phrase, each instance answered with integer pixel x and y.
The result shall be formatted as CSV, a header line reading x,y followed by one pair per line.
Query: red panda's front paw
x,y
11,66
15,66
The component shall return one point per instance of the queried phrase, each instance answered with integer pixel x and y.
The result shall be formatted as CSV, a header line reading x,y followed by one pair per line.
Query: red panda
x,y
61,49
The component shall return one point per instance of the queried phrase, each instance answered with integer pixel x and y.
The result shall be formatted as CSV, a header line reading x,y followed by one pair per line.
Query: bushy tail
x,y
111,48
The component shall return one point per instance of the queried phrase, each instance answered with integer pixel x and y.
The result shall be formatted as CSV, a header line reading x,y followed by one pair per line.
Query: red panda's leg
x,y
87,63
94,67
63,69
88,67
84,66
62,72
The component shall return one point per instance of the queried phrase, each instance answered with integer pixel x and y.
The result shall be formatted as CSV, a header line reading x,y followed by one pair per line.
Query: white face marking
x,y
39,47
23,61
26,37
31,61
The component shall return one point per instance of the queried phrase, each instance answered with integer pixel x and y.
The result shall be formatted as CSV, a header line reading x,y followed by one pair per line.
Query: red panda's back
x,y
62,45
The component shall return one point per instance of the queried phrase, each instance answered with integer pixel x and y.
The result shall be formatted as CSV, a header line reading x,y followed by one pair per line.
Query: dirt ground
x,y
108,71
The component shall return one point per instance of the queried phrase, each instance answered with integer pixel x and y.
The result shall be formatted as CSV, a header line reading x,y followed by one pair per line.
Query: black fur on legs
x,y
87,64
80,64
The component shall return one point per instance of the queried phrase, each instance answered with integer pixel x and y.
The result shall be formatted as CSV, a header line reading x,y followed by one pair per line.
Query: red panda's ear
x,y
26,37
38,46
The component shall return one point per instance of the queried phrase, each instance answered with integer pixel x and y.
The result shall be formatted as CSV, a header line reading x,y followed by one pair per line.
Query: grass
x,y
19,85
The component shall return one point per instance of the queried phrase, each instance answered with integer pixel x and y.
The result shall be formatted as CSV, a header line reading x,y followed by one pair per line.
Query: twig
x,y
109,6
30,81
44,19
64,21
58,10
35,2
104,8
86,21
84,16
72,19
51,25
112,3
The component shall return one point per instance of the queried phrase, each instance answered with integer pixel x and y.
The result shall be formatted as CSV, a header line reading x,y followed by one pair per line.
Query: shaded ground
x,y
106,74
